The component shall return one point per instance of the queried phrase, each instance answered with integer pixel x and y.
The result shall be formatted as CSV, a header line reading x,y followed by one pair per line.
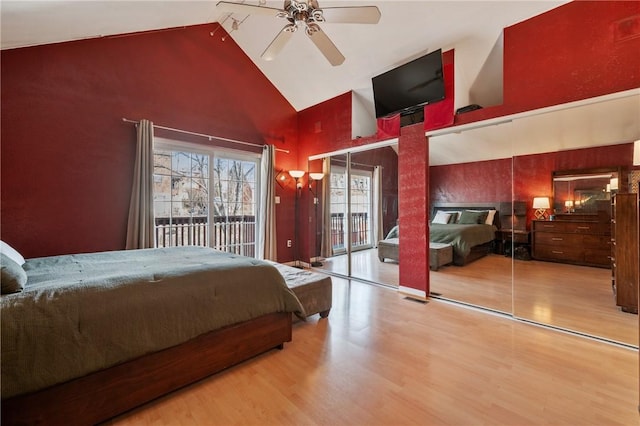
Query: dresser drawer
x,y
550,252
598,257
572,227
559,240
602,242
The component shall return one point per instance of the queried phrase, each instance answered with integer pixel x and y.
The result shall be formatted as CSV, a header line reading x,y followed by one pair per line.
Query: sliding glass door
x,y
204,197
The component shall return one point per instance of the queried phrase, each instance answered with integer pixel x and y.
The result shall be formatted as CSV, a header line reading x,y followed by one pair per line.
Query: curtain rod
x,y
210,137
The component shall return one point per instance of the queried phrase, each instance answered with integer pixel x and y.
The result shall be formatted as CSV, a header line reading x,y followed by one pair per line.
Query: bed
x,y
474,237
90,336
470,241
389,247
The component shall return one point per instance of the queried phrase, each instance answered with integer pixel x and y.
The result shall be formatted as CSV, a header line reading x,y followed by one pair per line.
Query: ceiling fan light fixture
x,y
309,14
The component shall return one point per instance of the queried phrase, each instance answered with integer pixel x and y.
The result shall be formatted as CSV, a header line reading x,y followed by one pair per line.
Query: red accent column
x,y
413,191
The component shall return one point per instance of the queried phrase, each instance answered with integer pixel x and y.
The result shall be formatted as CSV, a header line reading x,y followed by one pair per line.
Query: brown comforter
x,y
86,312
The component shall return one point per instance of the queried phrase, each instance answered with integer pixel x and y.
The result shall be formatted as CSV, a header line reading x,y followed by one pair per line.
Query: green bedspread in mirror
x,y
461,237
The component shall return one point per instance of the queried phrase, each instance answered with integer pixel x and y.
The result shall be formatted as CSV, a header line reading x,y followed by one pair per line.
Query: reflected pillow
x,y
490,215
394,233
12,276
454,217
441,218
470,217
11,253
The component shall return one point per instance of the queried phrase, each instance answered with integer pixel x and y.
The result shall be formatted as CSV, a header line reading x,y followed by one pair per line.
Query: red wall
x,y
575,51
413,158
67,157
478,182
490,181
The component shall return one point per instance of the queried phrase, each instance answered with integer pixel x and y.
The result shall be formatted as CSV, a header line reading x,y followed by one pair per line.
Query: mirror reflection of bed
x,y
477,274
565,295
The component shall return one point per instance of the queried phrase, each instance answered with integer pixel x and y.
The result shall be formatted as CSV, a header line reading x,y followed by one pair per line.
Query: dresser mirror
x,y
586,191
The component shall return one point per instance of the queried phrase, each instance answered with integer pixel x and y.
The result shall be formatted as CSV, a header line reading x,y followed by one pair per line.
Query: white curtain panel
x,y
326,248
140,228
267,247
377,205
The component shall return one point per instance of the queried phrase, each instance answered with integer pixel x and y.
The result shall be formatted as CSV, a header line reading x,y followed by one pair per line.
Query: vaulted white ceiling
x,y
407,29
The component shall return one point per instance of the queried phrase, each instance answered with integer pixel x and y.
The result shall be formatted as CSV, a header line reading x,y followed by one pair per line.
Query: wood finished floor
x,y
577,298
380,359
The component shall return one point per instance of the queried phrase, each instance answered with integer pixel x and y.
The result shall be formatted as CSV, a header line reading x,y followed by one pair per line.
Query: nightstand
x,y
519,238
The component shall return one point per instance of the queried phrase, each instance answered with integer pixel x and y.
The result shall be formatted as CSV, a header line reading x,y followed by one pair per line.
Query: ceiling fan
x,y
307,15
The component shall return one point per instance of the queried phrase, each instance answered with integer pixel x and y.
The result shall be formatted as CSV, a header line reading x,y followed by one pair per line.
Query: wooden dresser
x,y
624,251
580,239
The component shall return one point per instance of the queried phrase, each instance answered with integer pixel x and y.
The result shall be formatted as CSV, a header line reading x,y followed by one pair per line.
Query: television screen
x,y
409,86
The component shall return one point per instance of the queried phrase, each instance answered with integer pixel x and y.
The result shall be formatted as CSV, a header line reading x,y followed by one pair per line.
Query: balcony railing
x,y
359,231
233,234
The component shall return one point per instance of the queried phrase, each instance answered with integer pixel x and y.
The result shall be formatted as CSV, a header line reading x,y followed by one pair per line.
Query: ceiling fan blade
x,y
325,45
278,43
351,15
247,9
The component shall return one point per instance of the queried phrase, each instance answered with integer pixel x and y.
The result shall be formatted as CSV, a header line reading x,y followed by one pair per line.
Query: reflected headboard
x,y
450,207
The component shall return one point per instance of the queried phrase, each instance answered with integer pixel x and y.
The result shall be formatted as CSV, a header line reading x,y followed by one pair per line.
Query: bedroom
x,y
41,224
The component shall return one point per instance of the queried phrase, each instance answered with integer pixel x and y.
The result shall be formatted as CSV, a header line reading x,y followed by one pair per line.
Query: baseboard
x,y
413,292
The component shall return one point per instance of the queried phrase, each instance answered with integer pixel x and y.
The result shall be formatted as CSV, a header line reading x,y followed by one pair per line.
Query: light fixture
x,y
614,184
541,204
317,177
568,205
297,174
636,153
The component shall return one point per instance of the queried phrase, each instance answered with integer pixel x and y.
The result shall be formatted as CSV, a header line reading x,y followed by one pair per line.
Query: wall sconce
x,y
541,204
568,205
317,177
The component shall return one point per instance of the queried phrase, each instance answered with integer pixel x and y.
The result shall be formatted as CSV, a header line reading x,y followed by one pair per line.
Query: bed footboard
x,y
107,393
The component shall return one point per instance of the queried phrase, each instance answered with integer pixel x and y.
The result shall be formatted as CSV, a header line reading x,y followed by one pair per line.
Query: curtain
x,y
140,228
267,248
377,205
326,247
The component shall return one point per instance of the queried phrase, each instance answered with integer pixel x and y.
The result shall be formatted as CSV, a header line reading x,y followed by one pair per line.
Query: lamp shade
x,y
541,203
296,174
636,153
316,176
568,203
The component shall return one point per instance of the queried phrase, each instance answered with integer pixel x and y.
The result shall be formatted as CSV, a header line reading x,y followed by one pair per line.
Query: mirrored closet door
x,y
359,201
471,171
566,164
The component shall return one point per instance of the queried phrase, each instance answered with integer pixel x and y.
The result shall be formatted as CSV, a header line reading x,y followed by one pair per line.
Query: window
x,y
205,197
361,209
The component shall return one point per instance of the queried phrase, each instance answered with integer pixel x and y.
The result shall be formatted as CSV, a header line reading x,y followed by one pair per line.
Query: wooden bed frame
x,y
478,251
105,394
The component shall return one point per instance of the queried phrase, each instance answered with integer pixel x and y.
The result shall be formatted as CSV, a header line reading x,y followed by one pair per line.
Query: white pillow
x,y
441,217
11,253
490,216
455,215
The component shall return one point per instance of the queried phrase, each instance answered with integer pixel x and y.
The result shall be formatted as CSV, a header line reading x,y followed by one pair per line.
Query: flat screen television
x,y
408,87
